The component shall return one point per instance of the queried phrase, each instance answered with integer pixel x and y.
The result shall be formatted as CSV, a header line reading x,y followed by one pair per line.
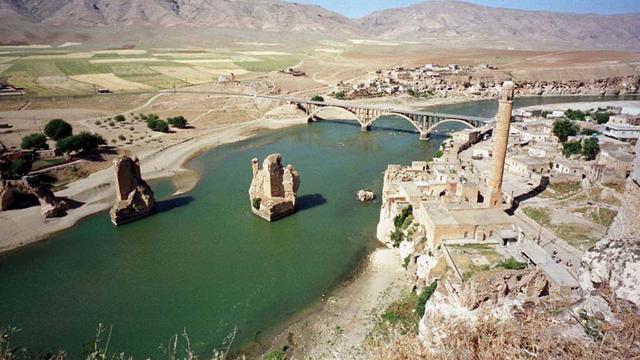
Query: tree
x,y
83,142
120,118
340,95
602,117
571,148
58,129
590,149
34,141
157,125
317,98
20,167
564,128
179,122
575,114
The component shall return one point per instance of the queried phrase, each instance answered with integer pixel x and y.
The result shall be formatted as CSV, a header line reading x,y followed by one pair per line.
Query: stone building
x,y
134,197
274,188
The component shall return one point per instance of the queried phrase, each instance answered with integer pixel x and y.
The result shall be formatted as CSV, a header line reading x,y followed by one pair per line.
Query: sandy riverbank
x,y
628,106
337,326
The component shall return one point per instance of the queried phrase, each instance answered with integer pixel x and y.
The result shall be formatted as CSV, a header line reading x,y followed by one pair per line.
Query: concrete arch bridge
x,y
423,122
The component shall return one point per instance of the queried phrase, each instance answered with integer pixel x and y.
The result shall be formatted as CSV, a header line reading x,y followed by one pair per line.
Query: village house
x,y
623,132
618,163
625,119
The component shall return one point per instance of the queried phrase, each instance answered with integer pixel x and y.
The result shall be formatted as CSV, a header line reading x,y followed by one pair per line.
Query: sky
x,y
360,8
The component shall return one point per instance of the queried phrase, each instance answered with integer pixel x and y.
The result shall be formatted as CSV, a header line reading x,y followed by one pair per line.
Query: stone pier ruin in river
x,y
134,197
273,188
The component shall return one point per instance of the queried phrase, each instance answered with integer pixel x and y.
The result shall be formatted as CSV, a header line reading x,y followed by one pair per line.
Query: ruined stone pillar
x,y
501,139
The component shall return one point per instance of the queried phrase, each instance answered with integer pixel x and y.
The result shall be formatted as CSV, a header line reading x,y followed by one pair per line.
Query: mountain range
x,y
436,19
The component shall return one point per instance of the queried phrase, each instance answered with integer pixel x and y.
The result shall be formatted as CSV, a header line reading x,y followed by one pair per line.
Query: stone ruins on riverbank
x,y
134,197
15,192
273,188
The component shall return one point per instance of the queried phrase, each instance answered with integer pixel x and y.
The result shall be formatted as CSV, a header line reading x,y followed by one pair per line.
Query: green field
x,y
42,76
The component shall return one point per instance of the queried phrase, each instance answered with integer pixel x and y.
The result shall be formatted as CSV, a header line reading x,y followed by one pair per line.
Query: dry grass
x,y
535,333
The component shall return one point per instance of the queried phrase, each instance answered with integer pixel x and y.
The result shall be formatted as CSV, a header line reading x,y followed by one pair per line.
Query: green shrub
x,y
602,117
424,297
98,122
121,137
340,95
317,98
400,218
58,129
438,154
34,141
575,114
157,125
571,148
256,203
20,167
120,118
397,236
512,264
405,262
179,122
590,149
277,354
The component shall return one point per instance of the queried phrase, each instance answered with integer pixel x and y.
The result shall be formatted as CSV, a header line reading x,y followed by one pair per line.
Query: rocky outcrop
x,y
366,195
134,197
274,188
615,260
493,287
50,206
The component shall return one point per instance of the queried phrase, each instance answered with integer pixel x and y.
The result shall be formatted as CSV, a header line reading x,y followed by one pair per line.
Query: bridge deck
x,y
390,110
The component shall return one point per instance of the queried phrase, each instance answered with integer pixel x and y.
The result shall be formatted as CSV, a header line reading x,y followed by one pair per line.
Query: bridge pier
x,y
424,135
365,127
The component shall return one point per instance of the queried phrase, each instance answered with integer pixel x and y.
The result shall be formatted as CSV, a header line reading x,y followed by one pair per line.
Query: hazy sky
x,y
359,8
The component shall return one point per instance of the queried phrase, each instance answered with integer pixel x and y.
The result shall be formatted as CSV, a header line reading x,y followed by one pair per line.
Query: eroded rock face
x,y
50,206
134,197
365,195
493,288
615,260
274,188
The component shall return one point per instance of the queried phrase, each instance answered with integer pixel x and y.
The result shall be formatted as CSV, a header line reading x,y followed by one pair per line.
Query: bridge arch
x,y
313,114
410,120
464,122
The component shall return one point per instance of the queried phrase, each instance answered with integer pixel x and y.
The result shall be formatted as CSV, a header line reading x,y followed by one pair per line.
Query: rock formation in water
x,y
273,188
366,195
134,197
13,191
615,260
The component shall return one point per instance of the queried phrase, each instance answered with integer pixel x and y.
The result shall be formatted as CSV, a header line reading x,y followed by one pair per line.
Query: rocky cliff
x,y
134,197
615,260
273,189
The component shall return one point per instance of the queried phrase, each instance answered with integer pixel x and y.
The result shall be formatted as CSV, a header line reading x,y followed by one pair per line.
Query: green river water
x,y
204,263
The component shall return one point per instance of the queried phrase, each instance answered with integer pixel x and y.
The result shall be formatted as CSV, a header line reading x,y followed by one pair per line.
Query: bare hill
x,y
461,20
440,22
271,15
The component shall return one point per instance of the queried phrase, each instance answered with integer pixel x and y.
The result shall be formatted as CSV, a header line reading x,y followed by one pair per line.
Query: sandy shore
x,y
629,106
96,192
337,325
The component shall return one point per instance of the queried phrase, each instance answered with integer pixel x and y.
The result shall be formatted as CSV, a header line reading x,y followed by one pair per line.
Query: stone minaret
x,y
501,138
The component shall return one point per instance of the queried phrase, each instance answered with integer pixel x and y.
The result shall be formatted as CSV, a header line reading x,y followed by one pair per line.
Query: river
x,y
204,263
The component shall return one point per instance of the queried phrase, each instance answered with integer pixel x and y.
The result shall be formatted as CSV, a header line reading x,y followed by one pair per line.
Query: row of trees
x,y
601,116
156,124
62,132
588,148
